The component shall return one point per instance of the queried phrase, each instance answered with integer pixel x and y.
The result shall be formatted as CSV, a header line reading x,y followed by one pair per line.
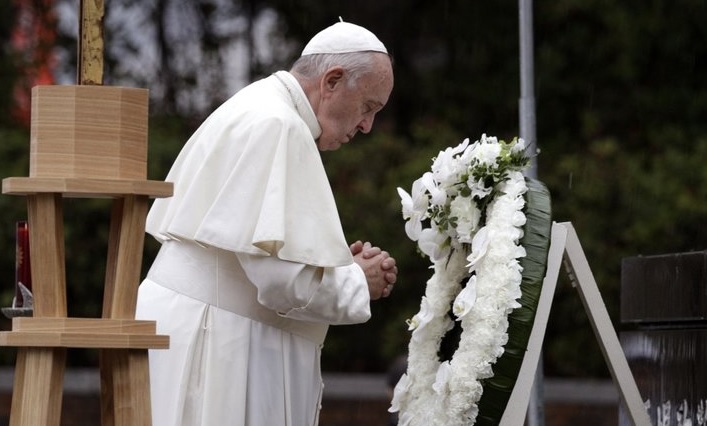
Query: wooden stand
x,y
86,141
78,149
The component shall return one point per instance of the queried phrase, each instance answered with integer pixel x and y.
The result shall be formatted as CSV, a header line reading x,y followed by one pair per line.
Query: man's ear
x,y
332,77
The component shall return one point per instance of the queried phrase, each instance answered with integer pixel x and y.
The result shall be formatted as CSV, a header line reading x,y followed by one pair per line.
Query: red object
x,y
23,273
32,45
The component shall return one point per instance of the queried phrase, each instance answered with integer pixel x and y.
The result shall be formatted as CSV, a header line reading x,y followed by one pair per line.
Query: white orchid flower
x,y
418,323
442,164
433,244
447,167
399,393
438,197
465,299
468,153
414,208
479,246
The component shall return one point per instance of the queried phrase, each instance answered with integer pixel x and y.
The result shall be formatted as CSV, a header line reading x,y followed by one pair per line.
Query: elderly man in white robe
x,y
253,265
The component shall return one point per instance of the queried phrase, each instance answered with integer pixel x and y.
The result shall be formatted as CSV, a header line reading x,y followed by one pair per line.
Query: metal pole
x,y
527,90
526,104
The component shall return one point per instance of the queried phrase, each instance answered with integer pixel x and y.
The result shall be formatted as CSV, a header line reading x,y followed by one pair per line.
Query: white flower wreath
x,y
467,217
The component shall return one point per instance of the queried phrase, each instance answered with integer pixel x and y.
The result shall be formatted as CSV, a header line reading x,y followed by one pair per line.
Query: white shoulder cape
x,y
251,180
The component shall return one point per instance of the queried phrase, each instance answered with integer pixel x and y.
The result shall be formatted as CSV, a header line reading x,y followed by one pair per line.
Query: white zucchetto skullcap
x,y
343,37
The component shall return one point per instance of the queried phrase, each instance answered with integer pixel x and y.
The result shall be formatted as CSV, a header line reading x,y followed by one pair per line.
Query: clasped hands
x,y
380,269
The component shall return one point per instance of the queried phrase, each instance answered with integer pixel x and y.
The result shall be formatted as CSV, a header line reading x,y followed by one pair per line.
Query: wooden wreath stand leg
x,y
125,390
39,371
43,339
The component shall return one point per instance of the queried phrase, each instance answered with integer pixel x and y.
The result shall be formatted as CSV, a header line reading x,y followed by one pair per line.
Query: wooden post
x,y
125,390
40,371
90,49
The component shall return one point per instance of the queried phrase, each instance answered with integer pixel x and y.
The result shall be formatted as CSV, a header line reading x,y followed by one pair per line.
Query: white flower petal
x,y
406,202
413,229
423,317
465,299
399,393
437,196
519,146
442,378
433,244
479,246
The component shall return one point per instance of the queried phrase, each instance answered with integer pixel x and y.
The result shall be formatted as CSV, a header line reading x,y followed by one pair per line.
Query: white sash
x,y
215,277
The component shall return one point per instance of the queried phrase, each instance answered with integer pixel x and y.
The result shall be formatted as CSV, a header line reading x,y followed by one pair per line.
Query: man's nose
x,y
365,125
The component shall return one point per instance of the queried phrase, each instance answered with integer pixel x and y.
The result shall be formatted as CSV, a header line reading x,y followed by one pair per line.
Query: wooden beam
x,y
125,248
90,49
37,393
98,340
83,325
86,187
46,224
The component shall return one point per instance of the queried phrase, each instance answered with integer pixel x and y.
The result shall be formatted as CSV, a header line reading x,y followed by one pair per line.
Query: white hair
x,y
356,64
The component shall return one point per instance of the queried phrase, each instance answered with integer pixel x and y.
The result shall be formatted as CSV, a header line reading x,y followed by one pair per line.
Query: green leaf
x,y
536,240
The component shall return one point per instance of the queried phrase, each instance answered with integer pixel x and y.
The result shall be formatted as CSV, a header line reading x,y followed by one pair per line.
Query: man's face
x,y
345,110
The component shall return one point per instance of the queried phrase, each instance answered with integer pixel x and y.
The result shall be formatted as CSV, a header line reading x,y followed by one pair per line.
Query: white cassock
x,y
253,267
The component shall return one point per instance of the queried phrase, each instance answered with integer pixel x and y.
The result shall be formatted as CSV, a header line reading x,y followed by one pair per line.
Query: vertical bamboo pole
x,y
90,49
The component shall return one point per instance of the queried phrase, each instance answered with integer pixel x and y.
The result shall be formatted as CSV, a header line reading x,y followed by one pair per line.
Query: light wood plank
x,y
38,388
83,325
125,257
112,256
46,224
83,340
125,385
86,188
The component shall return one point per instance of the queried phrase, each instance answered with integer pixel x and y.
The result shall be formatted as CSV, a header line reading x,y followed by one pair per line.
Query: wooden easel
x,y
565,243
71,166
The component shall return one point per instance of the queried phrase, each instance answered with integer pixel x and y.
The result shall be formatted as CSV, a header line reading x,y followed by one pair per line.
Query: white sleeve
x,y
336,295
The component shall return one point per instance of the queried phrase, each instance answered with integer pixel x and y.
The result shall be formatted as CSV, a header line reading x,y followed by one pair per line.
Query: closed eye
x,y
372,107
